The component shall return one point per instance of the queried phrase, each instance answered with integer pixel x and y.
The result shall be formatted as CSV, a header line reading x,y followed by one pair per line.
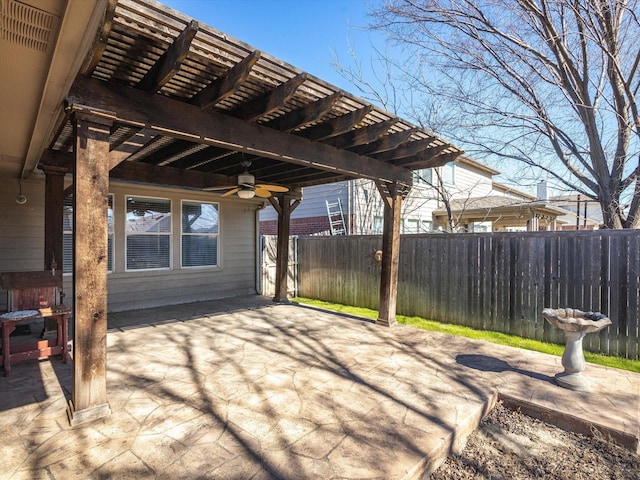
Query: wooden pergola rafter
x,y
164,100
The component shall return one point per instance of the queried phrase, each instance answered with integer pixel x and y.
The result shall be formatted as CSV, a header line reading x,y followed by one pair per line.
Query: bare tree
x,y
551,83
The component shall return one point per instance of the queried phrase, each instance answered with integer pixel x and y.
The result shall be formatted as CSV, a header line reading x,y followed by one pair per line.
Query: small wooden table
x,y
40,349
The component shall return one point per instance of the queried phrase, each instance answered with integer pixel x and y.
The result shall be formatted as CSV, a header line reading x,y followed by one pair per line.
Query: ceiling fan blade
x,y
273,188
262,192
231,192
212,189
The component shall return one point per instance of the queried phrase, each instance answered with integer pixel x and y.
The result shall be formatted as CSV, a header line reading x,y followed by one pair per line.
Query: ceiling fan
x,y
247,187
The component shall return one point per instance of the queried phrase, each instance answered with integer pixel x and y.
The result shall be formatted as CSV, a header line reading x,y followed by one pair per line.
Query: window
x,y
426,226
448,174
148,233
199,245
377,224
410,225
67,235
415,225
423,176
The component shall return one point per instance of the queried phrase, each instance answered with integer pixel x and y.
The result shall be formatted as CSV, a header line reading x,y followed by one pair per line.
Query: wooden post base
x,y
385,322
78,417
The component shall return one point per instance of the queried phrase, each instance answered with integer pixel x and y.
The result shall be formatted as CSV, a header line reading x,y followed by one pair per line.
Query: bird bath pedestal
x,y
575,324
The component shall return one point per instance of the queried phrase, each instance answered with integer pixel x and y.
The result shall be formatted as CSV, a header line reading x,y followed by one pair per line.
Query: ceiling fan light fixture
x,y
246,193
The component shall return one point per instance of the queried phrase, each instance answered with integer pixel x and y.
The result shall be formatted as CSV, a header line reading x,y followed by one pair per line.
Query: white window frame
x,y
377,226
168,234
183,234
449,179
423,176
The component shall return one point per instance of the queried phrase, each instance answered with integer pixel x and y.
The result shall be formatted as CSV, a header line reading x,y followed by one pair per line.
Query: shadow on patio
x,y
245,388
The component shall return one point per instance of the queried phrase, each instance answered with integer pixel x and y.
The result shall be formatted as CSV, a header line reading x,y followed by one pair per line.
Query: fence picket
x,y
497,281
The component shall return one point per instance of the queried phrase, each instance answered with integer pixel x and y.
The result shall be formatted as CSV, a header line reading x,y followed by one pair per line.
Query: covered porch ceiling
x,y
189,104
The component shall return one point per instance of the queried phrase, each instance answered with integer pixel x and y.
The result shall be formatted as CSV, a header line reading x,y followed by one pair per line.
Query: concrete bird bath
x,y
576,324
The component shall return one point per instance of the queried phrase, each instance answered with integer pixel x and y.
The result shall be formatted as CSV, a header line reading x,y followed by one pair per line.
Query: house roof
x,y
189,104
477,164
492,207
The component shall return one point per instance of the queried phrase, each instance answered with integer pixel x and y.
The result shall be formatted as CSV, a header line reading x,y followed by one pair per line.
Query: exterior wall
x,y
237,246
594,214
310,217
470,182
21,228
422,200
22,244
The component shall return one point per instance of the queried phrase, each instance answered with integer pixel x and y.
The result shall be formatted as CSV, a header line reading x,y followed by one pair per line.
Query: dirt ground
x,y
510,445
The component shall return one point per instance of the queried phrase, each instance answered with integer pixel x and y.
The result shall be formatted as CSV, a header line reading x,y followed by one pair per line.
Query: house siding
x,y
21,229
310,217
237,244
22,245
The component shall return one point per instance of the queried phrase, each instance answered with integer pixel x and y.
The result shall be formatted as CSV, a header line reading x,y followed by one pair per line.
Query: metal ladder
x,y
336,218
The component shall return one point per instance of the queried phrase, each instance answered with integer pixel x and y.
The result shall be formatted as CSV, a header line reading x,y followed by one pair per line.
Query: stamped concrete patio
x,y
247,389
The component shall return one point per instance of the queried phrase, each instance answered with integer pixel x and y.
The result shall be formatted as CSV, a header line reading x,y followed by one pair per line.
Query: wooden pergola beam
x,y
430,156
145,173
170,176
170,61
199,160
177,119
336,126
305,115
270,101
407,150
159,156
383,144
101,40
131,145
362,135
226,85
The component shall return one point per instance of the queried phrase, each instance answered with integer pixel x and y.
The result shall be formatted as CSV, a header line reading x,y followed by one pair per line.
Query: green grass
x,y
486,335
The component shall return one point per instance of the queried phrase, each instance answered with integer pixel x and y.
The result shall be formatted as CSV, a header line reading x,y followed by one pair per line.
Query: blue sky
x,y
305,33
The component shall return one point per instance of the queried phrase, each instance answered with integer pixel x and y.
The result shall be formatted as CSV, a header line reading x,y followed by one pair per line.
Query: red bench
x,y
32,295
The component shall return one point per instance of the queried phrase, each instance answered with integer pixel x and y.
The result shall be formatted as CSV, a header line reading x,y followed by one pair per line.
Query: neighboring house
x,y
476,203
496,213
362,208
508,209
584,213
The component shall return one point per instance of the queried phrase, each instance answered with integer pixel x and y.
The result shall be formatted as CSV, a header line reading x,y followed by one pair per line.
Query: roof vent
x,y
25,25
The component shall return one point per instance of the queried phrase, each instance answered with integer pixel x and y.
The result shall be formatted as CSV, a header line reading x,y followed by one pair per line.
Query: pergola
x,y
161,99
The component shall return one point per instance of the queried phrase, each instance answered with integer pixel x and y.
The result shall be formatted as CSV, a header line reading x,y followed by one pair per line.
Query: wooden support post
x,y
392,200
284,204
53,213
90,194
53,227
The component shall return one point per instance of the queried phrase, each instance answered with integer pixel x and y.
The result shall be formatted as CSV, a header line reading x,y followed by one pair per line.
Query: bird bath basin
x,y
575,324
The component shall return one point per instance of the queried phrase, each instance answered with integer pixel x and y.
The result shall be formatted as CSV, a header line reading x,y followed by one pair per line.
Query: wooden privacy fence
x,y
493,281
